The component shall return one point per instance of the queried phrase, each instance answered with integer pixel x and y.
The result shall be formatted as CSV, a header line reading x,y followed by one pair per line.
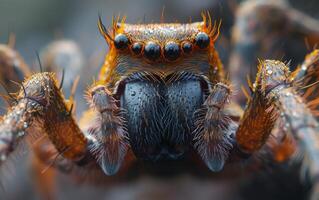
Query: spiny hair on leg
x,y
214,143
213,137
110,144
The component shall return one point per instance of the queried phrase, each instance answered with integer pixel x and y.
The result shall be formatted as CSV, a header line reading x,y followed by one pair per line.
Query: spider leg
x,y
272,30
213,137
260,114
274,83
109,136
44,176
308,69
41,109
304,128
282,144
300,113
13,67
13,70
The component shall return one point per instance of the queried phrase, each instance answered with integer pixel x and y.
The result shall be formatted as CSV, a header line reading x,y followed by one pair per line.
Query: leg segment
x,y
214,134
272,30
306,80
12,68
110,143
274,82
282,145
299,112
41,108
304,128
261,114
308,69
44,181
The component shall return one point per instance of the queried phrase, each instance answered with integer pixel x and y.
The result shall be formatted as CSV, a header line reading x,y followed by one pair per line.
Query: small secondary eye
x,y
137,48
152,51
187,47
171,51
121,41
202,40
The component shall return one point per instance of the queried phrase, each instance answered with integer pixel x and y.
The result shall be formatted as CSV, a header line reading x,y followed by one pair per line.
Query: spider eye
x,y
187,47
152,51
171,51
202,40
121,41
137,48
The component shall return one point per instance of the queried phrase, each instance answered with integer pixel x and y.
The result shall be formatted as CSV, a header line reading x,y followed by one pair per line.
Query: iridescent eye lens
x,y
171,51
137,48
187,47
202,40
152,51
121,41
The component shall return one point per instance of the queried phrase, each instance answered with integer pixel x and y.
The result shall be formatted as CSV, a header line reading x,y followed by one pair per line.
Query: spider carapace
x,y
162,95
161,75
169,82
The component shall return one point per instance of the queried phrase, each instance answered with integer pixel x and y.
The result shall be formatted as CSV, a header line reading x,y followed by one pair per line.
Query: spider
x,y
162,95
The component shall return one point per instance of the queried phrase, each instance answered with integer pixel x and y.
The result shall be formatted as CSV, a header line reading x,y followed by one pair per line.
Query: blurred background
x,y
37,23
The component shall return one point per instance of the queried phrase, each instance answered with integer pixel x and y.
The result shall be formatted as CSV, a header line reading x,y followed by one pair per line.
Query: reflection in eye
x,y
171,51
137,48
152,51
121,41
187,47
202,40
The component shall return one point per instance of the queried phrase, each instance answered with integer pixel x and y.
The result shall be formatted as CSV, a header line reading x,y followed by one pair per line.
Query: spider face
x,y
162,95
158,74
160,113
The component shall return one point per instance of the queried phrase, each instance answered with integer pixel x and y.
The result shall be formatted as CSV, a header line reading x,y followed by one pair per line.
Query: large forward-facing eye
x,y
121,41
152,51
202,40
171,51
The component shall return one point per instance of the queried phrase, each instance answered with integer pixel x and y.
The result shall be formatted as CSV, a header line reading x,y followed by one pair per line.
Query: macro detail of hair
x,y
164,107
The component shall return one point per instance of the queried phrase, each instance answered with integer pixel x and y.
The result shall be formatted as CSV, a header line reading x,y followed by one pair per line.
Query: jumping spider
x,y
162,94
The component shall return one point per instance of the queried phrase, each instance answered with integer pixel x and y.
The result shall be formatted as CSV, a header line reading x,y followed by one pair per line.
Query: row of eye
x,y
152,50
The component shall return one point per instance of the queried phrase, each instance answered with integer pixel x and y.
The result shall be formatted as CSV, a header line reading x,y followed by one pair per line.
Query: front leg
x,y
109,135
260,114
214,135
278,87
305,128
272,30
41,109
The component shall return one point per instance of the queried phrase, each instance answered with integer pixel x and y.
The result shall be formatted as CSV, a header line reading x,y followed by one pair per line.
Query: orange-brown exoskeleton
x,y
162,95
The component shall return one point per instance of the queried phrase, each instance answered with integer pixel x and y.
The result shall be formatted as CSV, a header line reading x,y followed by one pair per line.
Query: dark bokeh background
x,y
38,22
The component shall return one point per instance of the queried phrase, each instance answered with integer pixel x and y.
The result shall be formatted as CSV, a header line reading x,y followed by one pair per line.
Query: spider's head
x,y
162,48
158,74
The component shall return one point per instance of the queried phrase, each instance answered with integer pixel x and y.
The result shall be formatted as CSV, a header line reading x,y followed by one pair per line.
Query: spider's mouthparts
x,y
159,113
110,152
109,145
